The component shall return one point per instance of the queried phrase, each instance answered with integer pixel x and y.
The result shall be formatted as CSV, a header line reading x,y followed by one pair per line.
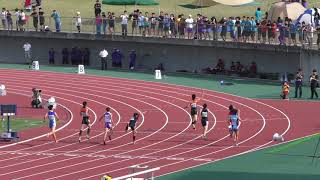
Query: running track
x,y
165,136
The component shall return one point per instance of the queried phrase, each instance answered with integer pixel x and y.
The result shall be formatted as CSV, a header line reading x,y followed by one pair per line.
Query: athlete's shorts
x,y
85,120
108,125
193,112
132,127
204,122
234,128
52,123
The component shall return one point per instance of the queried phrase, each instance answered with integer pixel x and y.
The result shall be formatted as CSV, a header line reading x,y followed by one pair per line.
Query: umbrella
x,y
200,4
130,2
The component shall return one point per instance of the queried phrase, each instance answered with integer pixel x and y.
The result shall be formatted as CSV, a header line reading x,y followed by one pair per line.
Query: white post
x,y
81,69
157,74
35,65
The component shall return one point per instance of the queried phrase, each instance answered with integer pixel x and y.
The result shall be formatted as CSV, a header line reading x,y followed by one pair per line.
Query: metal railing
x,y
203,31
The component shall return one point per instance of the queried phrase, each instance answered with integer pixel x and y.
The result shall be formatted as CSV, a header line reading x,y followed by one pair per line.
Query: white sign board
x,y
35,65
81,69
157,74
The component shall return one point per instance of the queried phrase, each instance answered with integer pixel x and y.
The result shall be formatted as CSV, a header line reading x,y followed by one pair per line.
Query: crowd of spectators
x,y
256,28
235,68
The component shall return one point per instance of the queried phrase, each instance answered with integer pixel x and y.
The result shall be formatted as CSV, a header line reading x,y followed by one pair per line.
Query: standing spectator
x,y
119,58
73,55
9,21
104,23
38,3
299,29
293,32
78,21
114,57
318,37
238,29
22,20
98,24
140,22
97,8
160,24
86,56
51,56
35,17
253,29
17,14
153,22
214,25
134,21
103,55
133,57
253,69
4,18
309,34
189,23
27,52
124,23
146,24
112,20
65,56
57,20
166,24
314,78
298,83
41,19
224,29
258,14
231,25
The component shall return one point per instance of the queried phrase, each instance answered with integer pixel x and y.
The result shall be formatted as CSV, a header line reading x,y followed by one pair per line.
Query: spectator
x,y
239,67
304,3
220,65
103,55
119,58
35,17
146,24
133,57
51,56
57,20
9,21
98,24
22,20
17,14
258,14
65,56
189,23
97,8
111,22
78,21
309,34
134,21
231,25
41,19
214,25
298,83
293,32
233,67
314,78
318,39
27,52
166,24
86,56
104,23
73,55
38,3
253,68
114,57
4,18
160,24
224,29
140,22
124,23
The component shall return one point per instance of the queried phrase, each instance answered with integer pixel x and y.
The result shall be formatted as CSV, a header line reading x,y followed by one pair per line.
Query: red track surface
x,y
165,138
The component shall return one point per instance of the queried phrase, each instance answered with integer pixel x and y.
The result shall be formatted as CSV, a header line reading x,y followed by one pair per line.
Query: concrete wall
x,y
176,54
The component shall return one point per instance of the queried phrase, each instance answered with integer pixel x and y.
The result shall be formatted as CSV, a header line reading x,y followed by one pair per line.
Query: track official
x,y
103,55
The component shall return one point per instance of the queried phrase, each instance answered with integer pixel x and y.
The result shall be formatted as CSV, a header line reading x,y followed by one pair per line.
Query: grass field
x,y
289,161
21,124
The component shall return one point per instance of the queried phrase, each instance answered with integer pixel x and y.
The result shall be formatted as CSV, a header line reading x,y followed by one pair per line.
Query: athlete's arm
x,y
45,117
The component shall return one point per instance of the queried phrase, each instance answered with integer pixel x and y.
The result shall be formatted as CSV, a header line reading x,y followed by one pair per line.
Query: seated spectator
x,y
220,65
239,67
232,67
253,68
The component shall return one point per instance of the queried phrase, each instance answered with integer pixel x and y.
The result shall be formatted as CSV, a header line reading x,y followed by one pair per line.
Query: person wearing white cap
x,y
103,55
78,21
27,53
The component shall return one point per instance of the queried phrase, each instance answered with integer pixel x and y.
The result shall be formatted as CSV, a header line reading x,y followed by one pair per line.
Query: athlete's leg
x,y
53,132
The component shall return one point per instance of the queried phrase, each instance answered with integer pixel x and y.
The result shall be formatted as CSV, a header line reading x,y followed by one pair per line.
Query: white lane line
x,y
44,135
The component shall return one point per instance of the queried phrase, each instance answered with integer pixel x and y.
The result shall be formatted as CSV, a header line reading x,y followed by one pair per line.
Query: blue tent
x,y
308,16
